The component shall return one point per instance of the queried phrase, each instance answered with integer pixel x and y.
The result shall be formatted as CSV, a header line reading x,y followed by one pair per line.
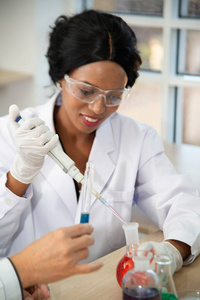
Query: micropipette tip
x,y
112,209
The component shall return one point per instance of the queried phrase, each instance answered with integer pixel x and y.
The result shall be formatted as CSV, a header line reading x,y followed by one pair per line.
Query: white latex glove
x,y
33,141
165,248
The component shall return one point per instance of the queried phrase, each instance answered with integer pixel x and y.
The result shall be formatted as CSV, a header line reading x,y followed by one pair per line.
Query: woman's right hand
x,y
33,140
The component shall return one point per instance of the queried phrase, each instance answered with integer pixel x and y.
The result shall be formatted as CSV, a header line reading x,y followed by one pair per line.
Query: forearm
x,y
16,187
184,249
22,264
12,208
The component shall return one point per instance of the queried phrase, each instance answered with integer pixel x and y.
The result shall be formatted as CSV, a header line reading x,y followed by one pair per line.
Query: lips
x,y
90,121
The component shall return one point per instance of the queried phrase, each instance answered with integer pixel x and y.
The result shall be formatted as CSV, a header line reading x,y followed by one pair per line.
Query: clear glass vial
x,y
163,270
87,192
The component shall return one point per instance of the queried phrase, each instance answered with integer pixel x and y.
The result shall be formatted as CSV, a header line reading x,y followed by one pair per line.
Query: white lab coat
x,y
130,167
10,285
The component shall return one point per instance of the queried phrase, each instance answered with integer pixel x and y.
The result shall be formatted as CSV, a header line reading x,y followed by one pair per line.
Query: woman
x,y
94,58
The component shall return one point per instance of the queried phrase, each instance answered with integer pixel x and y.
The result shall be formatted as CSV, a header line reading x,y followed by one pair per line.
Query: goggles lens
x,y
89,93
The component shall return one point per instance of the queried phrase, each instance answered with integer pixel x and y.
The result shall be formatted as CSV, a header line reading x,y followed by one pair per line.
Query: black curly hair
x,y
89,37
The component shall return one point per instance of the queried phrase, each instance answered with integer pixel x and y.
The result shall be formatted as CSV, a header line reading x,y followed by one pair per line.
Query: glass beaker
x,y
132,242
163,270
141,282
87,192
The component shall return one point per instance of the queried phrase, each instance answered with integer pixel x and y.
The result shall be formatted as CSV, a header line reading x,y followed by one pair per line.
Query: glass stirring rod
x,y
87,192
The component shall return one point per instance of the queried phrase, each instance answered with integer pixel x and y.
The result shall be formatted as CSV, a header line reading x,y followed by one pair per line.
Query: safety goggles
x,y
89,94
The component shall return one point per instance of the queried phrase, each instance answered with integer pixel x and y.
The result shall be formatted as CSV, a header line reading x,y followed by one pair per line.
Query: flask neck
x,y
131,233
163,270
131,248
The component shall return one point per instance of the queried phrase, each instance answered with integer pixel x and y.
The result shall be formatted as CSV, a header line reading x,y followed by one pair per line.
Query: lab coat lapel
x,y
103,148
62,183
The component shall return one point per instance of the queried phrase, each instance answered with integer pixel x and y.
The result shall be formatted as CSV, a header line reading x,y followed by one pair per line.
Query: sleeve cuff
x,y
195,249
10,279
17,275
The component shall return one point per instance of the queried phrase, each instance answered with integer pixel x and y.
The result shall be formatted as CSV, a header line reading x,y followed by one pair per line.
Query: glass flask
x,y
87,192
141,283
163,270
132,243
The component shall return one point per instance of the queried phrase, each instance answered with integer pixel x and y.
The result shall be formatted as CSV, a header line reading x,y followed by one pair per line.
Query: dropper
x,y
68,166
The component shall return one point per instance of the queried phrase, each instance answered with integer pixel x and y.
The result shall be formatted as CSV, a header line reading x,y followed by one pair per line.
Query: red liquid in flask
x,y
124,265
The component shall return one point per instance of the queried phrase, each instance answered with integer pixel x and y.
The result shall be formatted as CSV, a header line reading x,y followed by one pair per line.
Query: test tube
x,y
87,192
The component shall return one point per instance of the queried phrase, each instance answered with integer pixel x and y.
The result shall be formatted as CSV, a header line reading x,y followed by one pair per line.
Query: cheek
x,y
71,103
111,110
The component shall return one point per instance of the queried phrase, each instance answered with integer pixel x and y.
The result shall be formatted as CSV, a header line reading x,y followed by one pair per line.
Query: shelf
x,y
8,77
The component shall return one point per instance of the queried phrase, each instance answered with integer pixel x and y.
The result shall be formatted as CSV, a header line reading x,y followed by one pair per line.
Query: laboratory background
x,y
167,92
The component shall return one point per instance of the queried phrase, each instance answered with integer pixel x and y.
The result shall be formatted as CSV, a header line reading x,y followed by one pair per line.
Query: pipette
x,y
68,166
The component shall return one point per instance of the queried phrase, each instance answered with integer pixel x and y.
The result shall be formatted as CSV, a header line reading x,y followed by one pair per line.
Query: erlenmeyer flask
x,y
163,270
132,243
141,282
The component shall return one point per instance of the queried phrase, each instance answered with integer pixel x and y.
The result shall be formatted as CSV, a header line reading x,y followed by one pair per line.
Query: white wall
x,y
46,13
24,30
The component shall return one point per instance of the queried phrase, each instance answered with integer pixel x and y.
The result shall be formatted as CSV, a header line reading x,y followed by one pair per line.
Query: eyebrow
x,y
88,83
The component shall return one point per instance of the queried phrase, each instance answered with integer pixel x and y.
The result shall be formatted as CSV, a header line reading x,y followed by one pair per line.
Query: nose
x,y
98,106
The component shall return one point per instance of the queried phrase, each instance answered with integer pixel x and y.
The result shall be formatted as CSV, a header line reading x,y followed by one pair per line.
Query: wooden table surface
x,y
102,285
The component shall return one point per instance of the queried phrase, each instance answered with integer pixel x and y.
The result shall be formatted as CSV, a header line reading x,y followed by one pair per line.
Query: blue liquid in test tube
x,y
85,217
87,192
